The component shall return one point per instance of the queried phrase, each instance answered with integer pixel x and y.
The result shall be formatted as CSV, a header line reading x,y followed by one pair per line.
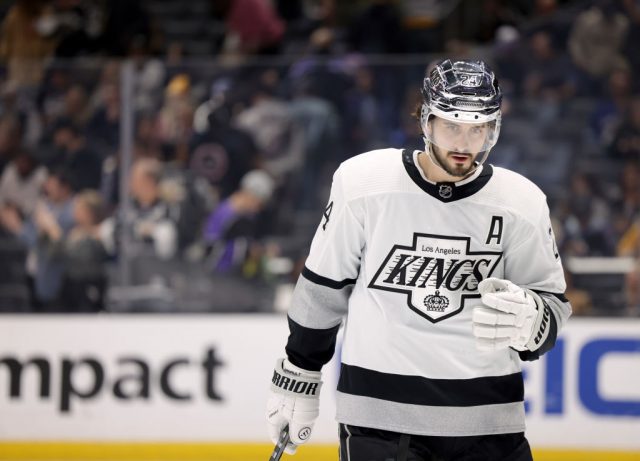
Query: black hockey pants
x,y
364,444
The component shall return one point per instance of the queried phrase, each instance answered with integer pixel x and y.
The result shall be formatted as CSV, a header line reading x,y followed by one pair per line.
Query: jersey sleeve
x,y
321,295
535,264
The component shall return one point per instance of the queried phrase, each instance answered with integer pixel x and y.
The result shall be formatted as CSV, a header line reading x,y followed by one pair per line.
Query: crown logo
x,y
436,302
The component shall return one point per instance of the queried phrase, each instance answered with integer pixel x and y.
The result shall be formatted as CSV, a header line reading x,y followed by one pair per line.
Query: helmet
x,y
464,92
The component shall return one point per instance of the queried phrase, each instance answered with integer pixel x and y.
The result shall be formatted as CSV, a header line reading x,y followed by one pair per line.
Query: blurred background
x,y
176,156
161,156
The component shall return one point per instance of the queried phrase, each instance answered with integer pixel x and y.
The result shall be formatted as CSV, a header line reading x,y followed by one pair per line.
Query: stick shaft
x,y
283,440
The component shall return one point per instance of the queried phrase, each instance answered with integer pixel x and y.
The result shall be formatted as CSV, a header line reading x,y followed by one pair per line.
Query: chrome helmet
x,y
463,92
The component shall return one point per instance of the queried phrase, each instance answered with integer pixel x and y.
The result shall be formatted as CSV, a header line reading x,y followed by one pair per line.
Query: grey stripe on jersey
x,y
318,306
429,420
559,305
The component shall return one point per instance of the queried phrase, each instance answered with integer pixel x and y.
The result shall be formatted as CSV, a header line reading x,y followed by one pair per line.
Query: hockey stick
x,y
283,440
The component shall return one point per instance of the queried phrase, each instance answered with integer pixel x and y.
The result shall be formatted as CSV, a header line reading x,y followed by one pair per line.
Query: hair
x,y
65,123
63,175
259,183
149,167
94,203
417,111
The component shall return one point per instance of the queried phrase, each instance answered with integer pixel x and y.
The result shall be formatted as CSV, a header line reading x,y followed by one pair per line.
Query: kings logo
x,y
437,273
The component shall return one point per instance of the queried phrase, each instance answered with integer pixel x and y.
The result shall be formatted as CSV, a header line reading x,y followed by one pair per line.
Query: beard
x,y
460,171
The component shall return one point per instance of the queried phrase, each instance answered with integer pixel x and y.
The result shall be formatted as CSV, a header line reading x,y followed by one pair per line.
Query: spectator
x,y
630,189
45,271
253,26
149,223
363,116
612,108
626,140
146,145
321,124
72,152
52,92
25,43
596,41
147,140
104,125
60,98
9,139
632,8
629,246
548,74
21,183
125,20
149,77
632,290
76,106
270,122
509,58
364,29
552,16
409,133
587,220
583,302
175,121
231,228
221,153
78,25
82,254
319,72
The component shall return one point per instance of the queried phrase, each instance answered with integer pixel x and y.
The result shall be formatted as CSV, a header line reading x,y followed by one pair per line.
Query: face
x,y
82,214
63,137
55,189
142,187
456,145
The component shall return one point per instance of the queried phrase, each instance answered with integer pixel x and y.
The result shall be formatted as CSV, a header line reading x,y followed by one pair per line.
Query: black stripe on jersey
x,y
457,192
324,281
560,296
418,390
310,348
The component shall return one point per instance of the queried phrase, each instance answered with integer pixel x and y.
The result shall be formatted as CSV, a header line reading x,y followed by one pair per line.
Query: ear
x,y
429,127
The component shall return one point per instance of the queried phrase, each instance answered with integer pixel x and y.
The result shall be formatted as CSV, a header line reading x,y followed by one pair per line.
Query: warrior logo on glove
x,y
293,403
435,269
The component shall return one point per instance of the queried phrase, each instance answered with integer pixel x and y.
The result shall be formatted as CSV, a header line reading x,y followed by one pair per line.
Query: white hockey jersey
x,y
402,258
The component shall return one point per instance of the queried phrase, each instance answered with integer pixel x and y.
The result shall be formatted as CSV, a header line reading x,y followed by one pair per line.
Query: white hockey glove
x,y
294,400
514,317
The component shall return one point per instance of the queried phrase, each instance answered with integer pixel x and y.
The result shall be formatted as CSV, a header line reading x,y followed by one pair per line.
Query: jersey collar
x,y
446,191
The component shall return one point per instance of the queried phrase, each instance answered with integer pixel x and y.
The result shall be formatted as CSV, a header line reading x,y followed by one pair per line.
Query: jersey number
x,y
326,215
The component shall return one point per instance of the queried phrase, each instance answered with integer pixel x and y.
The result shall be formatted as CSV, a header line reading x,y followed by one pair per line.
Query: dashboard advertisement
x,y
197,378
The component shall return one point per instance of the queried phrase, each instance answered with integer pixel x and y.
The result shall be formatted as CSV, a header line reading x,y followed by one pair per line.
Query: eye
x,y
477,130
453,128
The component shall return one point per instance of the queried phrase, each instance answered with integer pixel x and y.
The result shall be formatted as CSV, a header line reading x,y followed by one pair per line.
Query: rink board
x,y
223,452
145,386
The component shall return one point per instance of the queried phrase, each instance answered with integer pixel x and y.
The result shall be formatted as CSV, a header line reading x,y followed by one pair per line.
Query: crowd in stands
x,y
243,108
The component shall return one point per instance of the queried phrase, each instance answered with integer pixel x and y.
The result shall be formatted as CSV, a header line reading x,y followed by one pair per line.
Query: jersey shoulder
x,y
373,172
511,190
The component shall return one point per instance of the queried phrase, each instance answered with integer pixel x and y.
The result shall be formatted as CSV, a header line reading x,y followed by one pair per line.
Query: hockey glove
x,y
294,400
514,317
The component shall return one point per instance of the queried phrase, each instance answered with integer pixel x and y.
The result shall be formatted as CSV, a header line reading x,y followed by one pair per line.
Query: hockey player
x,y
446,269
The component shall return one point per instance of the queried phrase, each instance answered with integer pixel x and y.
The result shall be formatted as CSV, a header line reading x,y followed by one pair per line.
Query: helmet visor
x,y
463,137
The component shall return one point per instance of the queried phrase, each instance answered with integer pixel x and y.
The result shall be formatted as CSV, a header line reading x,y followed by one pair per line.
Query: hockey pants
x,y
364,444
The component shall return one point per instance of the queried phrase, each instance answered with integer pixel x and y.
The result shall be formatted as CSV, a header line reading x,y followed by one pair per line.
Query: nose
x,y
463,142
462,145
